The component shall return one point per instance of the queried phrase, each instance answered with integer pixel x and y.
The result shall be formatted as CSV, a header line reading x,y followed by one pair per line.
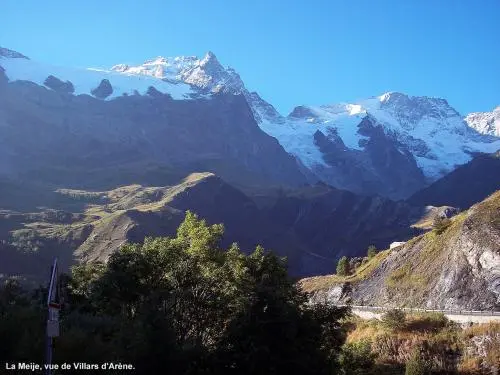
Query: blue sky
x,y
292,52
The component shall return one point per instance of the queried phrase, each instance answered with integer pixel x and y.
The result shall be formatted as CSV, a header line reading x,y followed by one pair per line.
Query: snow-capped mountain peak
x,y
426,127
159,67
411,111
485,122
206,73
384,97
209,58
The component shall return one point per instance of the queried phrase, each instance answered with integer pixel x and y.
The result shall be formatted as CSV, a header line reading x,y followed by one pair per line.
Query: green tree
x,y
343,268
184,304
394,319
278,332
167,295
372,251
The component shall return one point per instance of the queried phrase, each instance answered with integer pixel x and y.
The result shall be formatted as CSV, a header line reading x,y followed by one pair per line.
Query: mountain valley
x,y
93,158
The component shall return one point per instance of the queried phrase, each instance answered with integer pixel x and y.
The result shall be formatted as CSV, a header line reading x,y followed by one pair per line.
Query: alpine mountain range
x,y
123,140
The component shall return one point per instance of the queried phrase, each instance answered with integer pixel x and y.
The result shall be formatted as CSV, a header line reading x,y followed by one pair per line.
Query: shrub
x,y
440,224
416,365
357,358
372,251
394,319
428,322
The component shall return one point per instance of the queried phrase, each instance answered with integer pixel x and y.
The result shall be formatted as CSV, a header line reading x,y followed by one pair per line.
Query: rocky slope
x,y
457,267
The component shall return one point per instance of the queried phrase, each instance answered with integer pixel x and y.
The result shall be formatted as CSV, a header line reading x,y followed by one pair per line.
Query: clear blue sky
x,y
292,52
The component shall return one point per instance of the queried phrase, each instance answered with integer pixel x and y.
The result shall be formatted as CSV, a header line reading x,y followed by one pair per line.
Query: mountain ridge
x,y
308,225
423,130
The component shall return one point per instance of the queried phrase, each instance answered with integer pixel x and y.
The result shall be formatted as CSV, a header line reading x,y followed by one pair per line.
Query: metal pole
x,y
48,351
50,298
49,356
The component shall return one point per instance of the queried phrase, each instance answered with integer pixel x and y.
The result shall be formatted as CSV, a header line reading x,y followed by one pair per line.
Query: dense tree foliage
x,y
180,305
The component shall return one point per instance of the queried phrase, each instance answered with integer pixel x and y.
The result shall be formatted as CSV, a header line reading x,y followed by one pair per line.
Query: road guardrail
x,y
420,310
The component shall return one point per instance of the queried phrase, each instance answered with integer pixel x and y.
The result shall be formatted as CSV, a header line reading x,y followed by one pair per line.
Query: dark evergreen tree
x,y
343,268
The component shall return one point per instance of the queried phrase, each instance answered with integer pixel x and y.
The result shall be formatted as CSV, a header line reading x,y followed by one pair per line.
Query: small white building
x,y
396,244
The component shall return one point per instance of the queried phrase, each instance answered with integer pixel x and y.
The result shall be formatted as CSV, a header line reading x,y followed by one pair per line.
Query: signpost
x,y
53,315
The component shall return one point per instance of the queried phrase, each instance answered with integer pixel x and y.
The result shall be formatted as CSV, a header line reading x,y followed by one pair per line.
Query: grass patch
x,y
366,270
312,284
488,211
415,277
435,241
405,278
486,329
441,342
428,322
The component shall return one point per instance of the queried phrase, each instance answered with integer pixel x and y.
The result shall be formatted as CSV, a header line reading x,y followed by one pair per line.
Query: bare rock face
x,y
153,92
456,268
472,278
59,86
382,167
301,111
103,90
410,110
148,136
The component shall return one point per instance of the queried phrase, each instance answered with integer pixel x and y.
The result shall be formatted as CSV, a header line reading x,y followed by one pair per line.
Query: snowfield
x,y
429,128
85,80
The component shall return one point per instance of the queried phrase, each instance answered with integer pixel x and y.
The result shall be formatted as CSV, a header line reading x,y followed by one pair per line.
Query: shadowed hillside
x,y
468,184
312,226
